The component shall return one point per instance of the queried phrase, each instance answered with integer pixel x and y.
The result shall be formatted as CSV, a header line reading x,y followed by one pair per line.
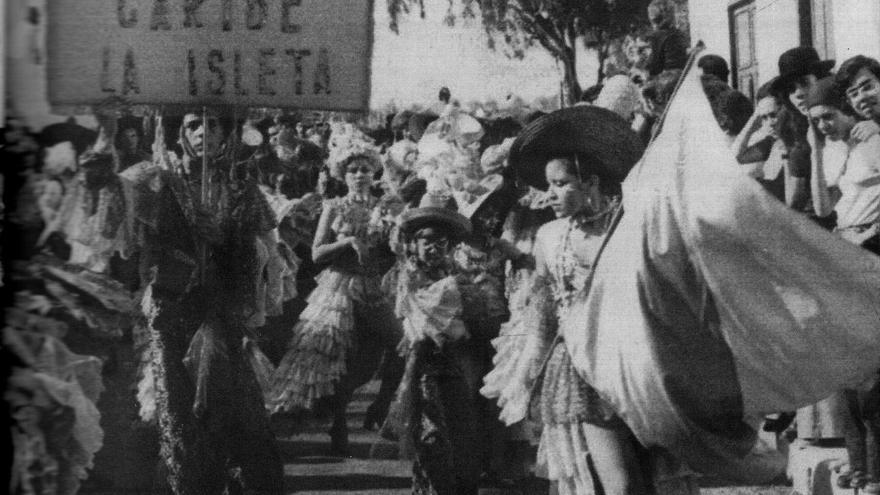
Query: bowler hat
x,y
601,140
799,62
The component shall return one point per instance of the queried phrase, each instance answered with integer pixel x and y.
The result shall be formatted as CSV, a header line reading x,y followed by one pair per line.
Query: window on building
x,y
822,28
744,64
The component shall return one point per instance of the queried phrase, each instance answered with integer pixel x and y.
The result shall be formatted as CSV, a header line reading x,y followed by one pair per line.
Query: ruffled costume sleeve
x,y
539,321
431,311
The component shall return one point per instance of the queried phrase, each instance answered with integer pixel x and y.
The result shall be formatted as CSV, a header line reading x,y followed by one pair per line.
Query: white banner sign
x,y
312,54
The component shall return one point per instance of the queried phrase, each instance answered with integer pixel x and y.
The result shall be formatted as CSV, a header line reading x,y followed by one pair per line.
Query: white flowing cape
x,y
713,303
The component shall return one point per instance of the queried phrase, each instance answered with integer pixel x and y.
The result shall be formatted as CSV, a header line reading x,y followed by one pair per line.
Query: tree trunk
x,y
571,89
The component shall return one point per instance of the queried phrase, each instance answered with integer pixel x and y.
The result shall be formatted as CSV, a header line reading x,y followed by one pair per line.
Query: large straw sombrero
x,y
601,140
432,210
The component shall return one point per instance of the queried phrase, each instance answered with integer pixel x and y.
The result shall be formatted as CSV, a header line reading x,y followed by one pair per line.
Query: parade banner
x,y
310,54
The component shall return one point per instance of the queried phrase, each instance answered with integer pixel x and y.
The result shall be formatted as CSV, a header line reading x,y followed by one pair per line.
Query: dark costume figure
x,y
130,143
213,423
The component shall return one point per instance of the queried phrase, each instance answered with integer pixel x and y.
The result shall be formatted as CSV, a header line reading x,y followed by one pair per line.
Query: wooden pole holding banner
x,y
615,220
618,213
205,191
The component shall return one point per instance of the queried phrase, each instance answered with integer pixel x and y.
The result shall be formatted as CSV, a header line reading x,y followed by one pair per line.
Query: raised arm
x,y
540,315
538,323
750,154
822,203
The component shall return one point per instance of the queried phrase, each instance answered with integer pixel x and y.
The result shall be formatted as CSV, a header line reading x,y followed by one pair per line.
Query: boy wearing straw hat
x,y
432,414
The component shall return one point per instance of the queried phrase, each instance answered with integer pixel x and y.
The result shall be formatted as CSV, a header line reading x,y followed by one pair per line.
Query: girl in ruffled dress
x,y
577,424
346,310
572,414
579,155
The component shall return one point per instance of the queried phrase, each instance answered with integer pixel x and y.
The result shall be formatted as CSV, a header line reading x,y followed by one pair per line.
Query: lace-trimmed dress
x,y
511,341
323,337
564,401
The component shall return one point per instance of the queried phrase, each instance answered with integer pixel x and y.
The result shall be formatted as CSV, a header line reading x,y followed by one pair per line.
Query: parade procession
x,y
513,247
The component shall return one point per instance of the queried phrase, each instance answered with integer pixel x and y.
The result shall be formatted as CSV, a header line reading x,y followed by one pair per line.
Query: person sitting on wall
x,y
669,46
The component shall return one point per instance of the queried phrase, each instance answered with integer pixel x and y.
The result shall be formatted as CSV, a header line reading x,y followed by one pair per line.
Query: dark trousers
x,y
862,431
444,426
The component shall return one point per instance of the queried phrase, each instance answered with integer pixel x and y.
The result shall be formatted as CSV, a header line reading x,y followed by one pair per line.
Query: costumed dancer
x,y
209,407
338,341
398,179
479,264
579,155
383,227
519,230
437,423
576,422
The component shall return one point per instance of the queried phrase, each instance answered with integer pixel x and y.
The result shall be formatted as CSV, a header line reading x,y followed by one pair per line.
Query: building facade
x,y
751,34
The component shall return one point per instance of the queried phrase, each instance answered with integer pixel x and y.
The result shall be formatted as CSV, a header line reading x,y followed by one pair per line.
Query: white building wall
x,y
708,22
777,29
856,28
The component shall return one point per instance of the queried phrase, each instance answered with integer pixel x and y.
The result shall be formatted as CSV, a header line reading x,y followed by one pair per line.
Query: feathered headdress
x,y
347,142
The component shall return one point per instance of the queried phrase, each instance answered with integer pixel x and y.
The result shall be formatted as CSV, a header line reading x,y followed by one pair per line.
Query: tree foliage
x,y
555,25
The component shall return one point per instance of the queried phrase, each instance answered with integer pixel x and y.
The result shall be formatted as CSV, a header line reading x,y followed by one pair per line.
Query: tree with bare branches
x,y
555,25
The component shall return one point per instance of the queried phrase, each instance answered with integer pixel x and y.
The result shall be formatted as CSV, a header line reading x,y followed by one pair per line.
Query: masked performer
x,y
214,428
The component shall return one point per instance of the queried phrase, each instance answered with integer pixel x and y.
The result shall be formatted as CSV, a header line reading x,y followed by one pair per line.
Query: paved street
x,y
309,470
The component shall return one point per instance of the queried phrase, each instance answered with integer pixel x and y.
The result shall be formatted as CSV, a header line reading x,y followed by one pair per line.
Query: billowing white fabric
x,y
713,303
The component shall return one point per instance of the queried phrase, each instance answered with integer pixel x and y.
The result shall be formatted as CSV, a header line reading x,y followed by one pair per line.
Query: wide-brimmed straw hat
x,y
434,210
798,62
601,140
80,137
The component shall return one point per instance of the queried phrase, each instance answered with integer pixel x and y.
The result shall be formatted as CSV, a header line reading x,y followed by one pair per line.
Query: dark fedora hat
x,y
601,140
799,62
